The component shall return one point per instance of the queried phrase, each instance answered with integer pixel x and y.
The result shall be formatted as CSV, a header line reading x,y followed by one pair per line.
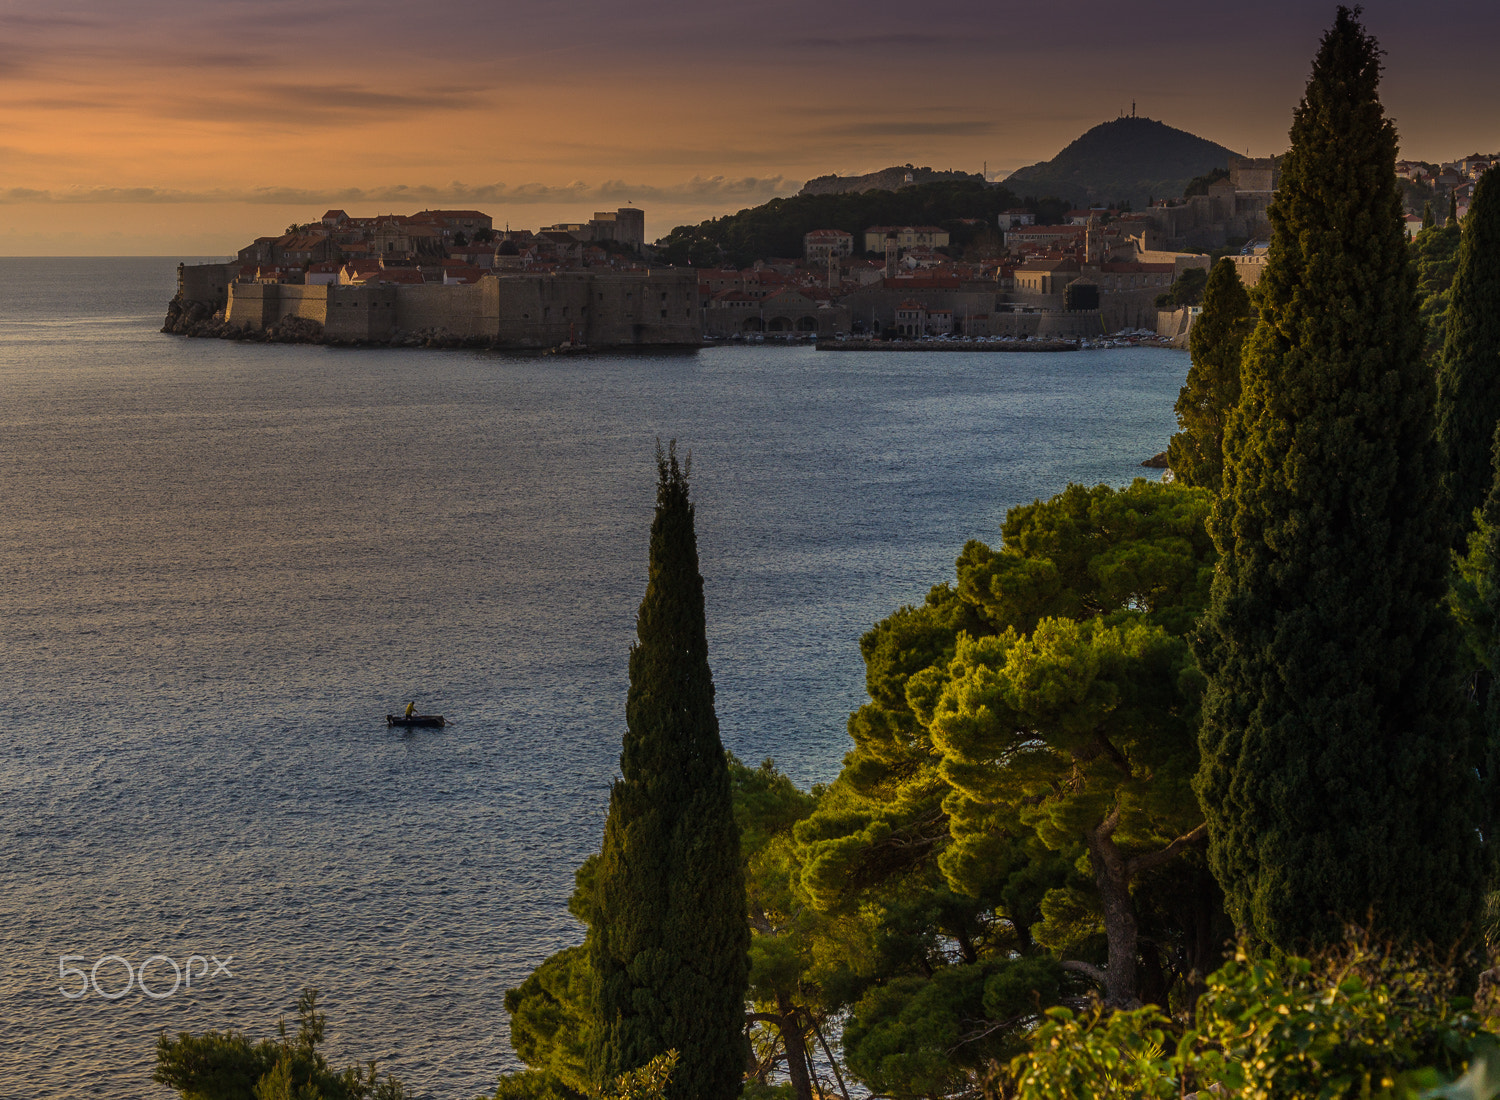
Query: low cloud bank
x,y
698,190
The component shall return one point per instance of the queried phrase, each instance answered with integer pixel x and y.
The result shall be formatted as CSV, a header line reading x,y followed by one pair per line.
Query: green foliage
x,y
1137,552
1356,1022
776,228
1335,773
1212,390
1199,185
229,1066
1187,290
649,1082
1435,253
549,1020
955,868
1109,708
916,1036
667,947
1104,1055
530,1085
1475,601
1468,376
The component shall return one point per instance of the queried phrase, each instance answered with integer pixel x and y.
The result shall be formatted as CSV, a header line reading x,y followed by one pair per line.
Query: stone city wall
x,y
603,310
454,309
206,283
823,322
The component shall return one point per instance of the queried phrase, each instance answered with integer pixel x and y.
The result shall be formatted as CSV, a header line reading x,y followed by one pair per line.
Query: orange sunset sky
x,y
172,128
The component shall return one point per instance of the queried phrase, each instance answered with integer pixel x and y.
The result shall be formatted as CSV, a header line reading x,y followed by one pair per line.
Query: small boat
x,y
414,720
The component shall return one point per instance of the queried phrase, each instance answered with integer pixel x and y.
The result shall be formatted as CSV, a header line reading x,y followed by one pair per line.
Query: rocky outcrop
x,y
185,316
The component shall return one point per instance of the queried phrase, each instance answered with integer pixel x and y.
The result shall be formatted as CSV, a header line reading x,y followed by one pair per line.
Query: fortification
x,y
523,310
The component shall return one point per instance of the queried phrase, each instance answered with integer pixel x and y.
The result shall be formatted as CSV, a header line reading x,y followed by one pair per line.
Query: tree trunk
x,y
1120,928
795,1041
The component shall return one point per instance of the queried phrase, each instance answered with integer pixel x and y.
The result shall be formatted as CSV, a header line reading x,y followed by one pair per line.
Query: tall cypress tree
x,y
1468,377
1335,777
1196,454
668,946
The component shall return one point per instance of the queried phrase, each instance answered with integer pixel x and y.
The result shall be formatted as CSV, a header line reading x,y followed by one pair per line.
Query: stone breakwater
x,y
948,345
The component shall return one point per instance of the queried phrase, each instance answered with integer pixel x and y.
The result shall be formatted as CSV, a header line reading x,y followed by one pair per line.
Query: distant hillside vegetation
x,y
776,228
1124,160
887,179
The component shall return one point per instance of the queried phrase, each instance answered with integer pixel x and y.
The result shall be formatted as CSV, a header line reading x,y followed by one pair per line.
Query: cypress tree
x,y
1196,454
1468,377
1428,218
669,942
1452,207
1335,776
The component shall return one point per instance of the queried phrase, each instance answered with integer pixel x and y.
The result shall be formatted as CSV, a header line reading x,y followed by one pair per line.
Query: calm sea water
x,y
221,565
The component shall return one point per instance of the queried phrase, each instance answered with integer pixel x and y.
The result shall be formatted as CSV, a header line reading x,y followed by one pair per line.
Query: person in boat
x,y
410,708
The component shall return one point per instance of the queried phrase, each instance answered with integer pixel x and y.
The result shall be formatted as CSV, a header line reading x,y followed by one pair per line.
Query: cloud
x,y
891,128
325,103
77,103
14,21
699,189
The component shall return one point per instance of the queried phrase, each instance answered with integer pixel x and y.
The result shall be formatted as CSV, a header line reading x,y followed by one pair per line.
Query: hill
x,y
964,207
887,179
1124,160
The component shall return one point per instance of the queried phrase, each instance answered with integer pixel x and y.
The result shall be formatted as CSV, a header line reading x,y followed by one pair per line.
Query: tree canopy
x,y
1212,389
668,938
776,228
1335,773
1468,375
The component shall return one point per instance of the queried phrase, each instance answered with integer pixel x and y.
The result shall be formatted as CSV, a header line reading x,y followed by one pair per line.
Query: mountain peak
x,y
1128,159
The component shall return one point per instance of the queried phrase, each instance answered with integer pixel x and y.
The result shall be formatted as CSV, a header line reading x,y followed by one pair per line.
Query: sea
x,y
222,565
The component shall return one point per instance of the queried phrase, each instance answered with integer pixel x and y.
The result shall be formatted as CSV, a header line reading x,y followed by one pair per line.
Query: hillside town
x,y
1099,270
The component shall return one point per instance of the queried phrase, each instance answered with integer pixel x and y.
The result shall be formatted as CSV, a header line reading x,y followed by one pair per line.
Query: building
x,y
1029,238
1044,278
906,236
626,226
822,245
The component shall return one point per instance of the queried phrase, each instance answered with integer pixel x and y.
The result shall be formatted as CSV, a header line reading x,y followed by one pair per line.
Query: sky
x,y
190,127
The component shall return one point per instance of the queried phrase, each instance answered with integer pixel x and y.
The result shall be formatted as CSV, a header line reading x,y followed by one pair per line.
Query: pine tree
x,y
669,938
1334,778
1196,454
1469,365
